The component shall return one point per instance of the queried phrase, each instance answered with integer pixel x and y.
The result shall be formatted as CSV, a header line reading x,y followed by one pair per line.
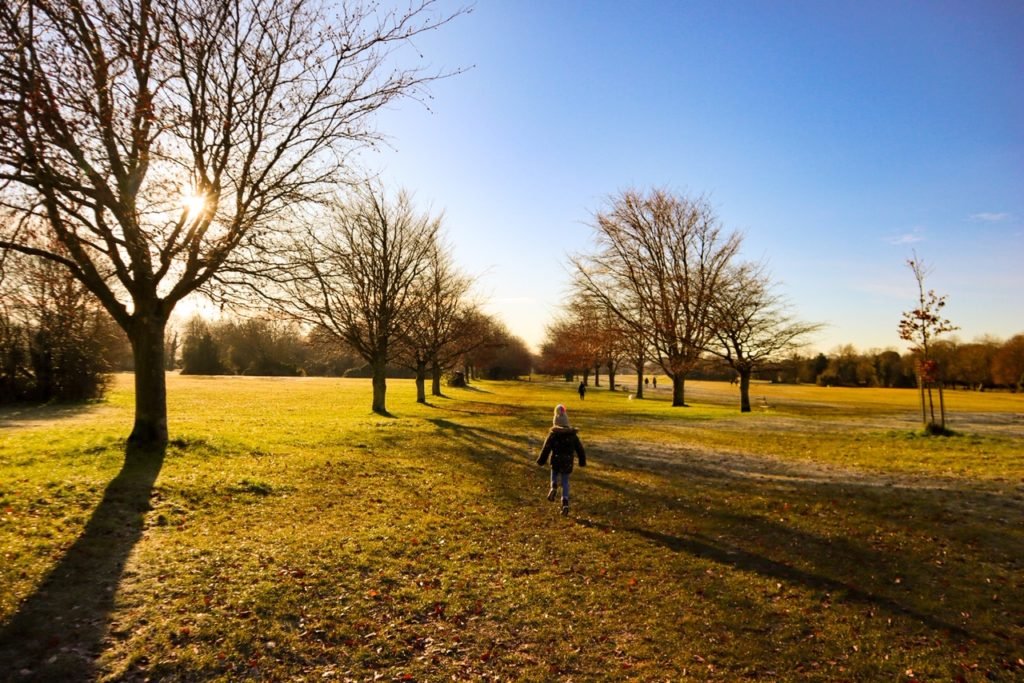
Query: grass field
x,y
287,533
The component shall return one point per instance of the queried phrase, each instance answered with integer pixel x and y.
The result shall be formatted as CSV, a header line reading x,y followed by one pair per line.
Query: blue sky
x,y
837,137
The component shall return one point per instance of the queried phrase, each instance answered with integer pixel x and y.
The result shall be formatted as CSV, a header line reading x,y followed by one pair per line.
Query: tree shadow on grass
x,y
58,631
18,414
842,566
736,557
490,452
472,387
845,563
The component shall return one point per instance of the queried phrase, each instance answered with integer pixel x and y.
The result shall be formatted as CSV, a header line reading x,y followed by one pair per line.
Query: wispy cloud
x,y
912,237
989,217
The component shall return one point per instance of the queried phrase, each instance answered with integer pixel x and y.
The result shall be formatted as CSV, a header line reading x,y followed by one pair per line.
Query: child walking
x,y
562,442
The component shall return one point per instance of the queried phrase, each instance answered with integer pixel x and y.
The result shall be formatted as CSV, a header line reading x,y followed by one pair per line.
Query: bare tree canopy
x,y
659,258
441,304
752,325
153,139
354,277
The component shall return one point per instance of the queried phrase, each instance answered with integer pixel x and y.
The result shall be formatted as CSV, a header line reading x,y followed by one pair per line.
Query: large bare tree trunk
x,y
147,339
678,389
380,387
744,389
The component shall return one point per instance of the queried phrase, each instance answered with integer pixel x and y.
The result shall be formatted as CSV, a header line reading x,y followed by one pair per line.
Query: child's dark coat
x,y
561,443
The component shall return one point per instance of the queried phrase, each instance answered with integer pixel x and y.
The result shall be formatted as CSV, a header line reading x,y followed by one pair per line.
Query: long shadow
x,y
836,565
997,505
734,556
841,576
58,631
490,451
470,387
17,413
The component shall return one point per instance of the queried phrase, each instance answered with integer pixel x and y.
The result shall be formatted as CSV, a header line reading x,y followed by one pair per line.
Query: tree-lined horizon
x,y
164,148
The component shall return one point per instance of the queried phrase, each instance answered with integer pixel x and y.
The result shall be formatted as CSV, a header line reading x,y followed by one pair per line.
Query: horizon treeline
x,y
62,350
983,364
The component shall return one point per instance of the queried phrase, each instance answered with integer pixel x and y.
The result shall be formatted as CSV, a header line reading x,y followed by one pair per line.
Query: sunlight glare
x,y
193,204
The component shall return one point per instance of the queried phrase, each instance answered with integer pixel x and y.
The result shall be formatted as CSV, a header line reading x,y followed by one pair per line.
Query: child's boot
x,y
565,506
552,493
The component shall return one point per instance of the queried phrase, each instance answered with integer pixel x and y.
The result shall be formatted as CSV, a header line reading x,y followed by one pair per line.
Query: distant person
x,y
654,381
647,382
582,389
561,444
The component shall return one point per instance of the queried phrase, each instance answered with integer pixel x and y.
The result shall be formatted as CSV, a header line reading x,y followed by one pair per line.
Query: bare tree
x,y
659,259
440,300
354,280
468,333
560,352
155,139
637,352
920,327
597,334
752,326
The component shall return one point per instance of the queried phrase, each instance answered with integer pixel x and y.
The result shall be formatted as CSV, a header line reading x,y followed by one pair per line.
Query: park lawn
x,y
288,533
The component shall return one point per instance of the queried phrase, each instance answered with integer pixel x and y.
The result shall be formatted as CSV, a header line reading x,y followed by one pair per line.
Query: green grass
x,y
288,533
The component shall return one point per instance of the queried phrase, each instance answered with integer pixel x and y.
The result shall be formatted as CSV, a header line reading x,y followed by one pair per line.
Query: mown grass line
x,y
292,534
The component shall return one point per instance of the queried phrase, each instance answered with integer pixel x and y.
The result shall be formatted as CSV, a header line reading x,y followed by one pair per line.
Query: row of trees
x,y
664,284
269,346
153,147
986,363
979,365
56,343
372,274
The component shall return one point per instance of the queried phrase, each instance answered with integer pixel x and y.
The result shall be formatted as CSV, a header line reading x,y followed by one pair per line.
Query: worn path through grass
x,y
290,534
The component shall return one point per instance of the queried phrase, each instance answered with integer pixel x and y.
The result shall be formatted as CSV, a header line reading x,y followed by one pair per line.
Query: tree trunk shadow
x,y
58,631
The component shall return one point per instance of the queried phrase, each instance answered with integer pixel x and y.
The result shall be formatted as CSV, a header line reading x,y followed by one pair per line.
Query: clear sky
x,y
837,137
